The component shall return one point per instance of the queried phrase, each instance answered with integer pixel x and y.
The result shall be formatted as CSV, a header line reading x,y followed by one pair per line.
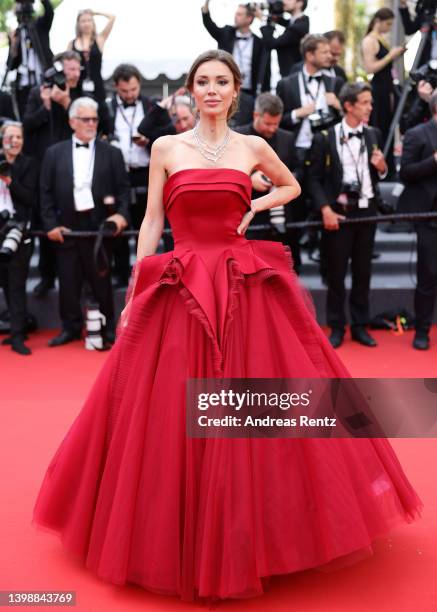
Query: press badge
x,y
88,86
83,198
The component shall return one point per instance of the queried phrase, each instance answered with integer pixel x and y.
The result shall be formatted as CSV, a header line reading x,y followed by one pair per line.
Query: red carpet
x,y
40,396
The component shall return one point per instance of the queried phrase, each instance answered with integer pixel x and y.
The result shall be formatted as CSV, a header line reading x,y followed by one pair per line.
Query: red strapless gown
x,y
139,501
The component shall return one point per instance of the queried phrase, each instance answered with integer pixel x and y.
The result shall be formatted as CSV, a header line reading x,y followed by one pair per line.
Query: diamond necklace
x,y
210,152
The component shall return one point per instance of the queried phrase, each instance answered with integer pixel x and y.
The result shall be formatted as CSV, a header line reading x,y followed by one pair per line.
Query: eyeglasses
x,y
88,119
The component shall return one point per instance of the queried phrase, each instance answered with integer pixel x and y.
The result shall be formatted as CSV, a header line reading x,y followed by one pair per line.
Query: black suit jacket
x,y
283,144
419,169
56,193
39,34
288,43
6,107
24,187
325,172
156,122
225,38
289,91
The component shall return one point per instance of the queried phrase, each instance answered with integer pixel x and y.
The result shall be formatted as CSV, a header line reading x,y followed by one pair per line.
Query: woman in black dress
x,y
378,60
89,44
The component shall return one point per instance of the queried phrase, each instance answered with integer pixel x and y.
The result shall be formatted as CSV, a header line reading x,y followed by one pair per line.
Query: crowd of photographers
x,y
76,160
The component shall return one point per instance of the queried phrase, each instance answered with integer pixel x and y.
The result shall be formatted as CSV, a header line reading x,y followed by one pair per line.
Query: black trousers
x,y
13,277
75,261
138,177
352,243
426,290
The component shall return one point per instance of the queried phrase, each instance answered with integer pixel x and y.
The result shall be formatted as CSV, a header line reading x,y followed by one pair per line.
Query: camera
x,y
352,191
11,235
427,72
275,8
55,76
323,119
24,11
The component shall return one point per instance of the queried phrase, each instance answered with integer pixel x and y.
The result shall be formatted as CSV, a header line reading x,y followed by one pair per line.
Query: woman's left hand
x,y
245,222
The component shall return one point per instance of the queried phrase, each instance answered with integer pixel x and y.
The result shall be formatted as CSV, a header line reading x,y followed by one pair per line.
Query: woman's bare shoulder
x,y
253,142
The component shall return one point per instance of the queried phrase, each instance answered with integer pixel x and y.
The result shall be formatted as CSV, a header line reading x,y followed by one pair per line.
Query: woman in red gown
x,y
128,491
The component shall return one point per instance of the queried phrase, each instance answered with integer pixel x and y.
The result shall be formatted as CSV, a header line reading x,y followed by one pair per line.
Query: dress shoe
x,y
17,345
43,287
8,341
421,341
336,338
64,338
359,334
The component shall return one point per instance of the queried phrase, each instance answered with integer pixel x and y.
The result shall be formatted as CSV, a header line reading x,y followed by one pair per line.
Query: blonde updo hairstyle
x,y
220,56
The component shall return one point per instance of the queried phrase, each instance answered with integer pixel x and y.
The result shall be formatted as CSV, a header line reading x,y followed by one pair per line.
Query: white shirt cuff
x,y
294,118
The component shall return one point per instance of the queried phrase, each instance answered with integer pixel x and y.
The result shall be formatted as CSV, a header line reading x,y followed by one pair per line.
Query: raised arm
x,y
153,222
104,34
286,186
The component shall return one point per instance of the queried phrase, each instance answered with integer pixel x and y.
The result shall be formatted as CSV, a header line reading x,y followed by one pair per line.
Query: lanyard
x,y
357,162
130,123
307,91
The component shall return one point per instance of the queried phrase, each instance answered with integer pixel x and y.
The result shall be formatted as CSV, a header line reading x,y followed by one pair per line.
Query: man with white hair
x,y
83,183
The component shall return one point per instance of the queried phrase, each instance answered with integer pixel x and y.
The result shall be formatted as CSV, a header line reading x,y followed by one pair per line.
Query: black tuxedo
x,y
419,169
13,276
283,143
75,257
349,242
6,107
157,122
288,90
109,178
419,173
324,180
24,186
288,43
226,37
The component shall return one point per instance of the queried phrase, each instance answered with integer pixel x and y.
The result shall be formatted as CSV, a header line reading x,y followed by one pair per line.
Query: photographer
x,y
243,44
419,111
83,183
288,43
337,41
310,96
266,120
425,14
169,116
29,49
127,109
45,123
346,165
419,173
18,186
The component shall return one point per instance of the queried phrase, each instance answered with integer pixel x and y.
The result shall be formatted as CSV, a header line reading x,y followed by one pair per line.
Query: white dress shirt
x,y
318,96
353,162
83,170
30,69
242,54
127,121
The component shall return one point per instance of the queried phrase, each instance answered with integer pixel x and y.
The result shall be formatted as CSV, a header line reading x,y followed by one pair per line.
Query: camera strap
x,y
356,161
307,91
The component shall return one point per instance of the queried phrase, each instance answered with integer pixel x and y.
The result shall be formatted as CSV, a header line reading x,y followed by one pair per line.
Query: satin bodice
x,y
205,206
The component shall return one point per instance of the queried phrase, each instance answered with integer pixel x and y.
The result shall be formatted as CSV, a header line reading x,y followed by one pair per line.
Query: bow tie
x,y
356,134
315,78
85,145
243,36
129,104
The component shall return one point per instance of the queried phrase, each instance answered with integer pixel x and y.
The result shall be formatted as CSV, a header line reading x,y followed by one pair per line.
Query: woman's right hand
x,y
397,52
